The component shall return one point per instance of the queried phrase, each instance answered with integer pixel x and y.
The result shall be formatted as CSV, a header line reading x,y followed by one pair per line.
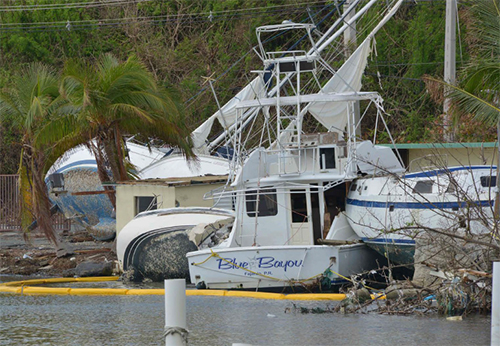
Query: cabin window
x,y
423,186
266,203
354,187
145,203
326,158
488,181
299,206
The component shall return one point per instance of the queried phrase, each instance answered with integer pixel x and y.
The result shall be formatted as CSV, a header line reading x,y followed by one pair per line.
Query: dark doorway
x,y
316,218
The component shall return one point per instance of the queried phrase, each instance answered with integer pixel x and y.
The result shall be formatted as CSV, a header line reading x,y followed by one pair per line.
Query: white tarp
x,y
200,135
227,115
347,78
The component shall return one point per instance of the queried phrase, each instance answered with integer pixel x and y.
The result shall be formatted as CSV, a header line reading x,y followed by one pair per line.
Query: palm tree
x,y
110,100
31,101
480,88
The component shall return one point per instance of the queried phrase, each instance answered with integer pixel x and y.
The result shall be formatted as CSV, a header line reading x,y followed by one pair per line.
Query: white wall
x,y
447,157
186,196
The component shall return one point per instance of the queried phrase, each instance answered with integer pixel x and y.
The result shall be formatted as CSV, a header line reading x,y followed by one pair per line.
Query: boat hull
x,y
278,267
399,252
389,213
154,244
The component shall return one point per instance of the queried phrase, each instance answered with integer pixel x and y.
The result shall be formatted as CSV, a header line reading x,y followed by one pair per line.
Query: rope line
x,y
177,330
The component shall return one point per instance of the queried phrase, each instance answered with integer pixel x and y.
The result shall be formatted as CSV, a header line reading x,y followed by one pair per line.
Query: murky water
x,y
139,320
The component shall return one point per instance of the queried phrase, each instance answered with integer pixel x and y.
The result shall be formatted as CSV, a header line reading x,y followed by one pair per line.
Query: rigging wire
x,y
99,24
39,7
298,38
125,2
335,53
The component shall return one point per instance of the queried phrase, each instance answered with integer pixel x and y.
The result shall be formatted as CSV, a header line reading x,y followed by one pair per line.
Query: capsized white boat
x,y
154,243
176,165
389,213
288,193
81,157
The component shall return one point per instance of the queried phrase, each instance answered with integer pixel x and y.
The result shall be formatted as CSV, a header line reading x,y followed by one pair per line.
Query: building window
x,y
266,203
145,203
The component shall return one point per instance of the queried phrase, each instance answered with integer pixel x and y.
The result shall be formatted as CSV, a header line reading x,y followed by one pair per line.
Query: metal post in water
x,y
176,332
495,305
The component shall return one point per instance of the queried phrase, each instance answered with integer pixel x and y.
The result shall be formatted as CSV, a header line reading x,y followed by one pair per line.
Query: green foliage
x,y
408,47
182,43
425,40
109,99
481,76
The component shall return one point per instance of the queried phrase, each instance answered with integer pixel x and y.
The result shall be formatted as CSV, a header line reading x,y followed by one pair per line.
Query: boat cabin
x,y
286,215
291,197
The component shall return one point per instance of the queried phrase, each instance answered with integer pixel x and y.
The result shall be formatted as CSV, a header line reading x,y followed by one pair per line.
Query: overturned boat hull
x,y
154,244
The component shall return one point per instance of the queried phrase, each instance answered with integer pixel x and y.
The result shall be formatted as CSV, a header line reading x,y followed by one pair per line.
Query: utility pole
x,y
350,32
349,47
449,64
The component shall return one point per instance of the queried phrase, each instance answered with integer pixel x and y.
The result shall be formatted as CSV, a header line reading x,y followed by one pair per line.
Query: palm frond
x,y
469,103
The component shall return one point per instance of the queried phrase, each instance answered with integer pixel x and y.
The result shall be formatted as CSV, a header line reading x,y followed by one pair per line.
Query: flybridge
x,y
289,60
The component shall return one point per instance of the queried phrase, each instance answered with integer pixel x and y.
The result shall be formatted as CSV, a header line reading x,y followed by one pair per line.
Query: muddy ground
x,y
39,257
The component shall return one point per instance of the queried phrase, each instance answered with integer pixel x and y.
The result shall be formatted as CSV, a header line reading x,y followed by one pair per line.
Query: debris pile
x,y
41,258
452,294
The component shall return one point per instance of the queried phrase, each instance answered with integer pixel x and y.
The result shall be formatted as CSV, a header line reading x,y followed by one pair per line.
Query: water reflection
x,y
139,320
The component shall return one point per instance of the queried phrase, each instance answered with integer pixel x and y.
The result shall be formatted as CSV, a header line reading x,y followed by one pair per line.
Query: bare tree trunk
x,y
120,159
102,172
112,150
